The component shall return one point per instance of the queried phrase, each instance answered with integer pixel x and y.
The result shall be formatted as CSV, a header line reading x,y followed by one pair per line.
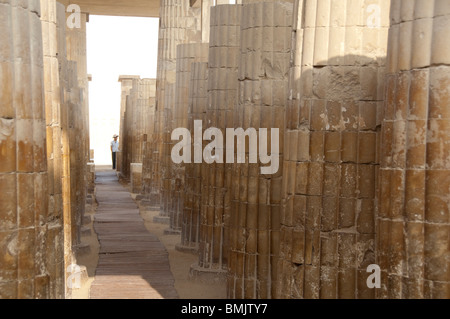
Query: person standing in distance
x,y
114,150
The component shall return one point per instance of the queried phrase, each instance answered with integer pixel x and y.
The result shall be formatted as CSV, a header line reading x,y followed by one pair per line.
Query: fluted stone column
x,y
54,51
139,109
179,23
76,52
145,105
126,85
133,118
413,222
148,104
166,160
256,197
64,88
127,144
129,130
178,118
216,177
331,159
198,99
26,237
134,122
74,107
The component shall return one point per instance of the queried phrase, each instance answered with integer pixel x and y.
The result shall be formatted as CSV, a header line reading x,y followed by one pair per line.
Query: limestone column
x,y
26,239
69,253
138,113
126,85
149,103
216,177
76,52
331,160
174,173
133,112
166,160
127,144
144,96
198,100
133,120
74,109
413,230
179,23
54,44
256,197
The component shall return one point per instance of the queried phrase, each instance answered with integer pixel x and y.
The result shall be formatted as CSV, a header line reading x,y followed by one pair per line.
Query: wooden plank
x,y
133,264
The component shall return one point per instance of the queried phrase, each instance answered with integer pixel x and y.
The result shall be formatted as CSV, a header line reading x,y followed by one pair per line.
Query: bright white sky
x,y
115,46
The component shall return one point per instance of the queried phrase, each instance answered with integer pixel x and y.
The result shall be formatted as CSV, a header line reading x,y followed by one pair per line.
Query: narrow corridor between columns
x,y
133,263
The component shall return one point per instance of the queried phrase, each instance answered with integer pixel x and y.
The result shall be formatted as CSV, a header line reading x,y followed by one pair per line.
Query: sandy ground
x,y
180,263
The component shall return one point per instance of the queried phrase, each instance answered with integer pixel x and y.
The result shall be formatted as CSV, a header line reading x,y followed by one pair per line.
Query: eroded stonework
x,y
359,91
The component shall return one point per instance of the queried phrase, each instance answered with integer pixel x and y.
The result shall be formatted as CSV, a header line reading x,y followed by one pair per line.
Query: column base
x,y
165,220
148,206
170,231
187,249
207,275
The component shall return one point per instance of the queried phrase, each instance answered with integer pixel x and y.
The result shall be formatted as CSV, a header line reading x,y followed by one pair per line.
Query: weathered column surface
x,y
138,123
54,52
413,247
148,105
65,111
126,85
198,99
179,23
77,51
138,98
331,160
77,185
27,242
79,121
216,177
129,132
256,194
177,117
165,165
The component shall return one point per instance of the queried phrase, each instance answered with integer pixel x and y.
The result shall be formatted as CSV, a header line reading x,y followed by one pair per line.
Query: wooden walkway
x,y
133,264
